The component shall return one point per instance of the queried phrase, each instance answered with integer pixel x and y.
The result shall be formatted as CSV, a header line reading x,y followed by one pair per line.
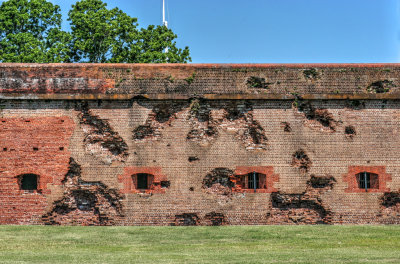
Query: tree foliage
x,y
30,31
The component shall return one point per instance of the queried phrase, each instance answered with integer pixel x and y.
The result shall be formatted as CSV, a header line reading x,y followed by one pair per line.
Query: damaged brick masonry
x,y
203,144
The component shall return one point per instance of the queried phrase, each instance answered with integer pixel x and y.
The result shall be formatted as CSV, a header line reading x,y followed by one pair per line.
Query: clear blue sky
x,y
275,31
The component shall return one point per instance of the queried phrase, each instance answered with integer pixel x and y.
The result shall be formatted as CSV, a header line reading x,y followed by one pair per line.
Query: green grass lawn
x,y
232,244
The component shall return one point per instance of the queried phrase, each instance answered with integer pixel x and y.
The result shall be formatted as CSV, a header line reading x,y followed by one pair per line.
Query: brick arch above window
x,y
351,177
267,186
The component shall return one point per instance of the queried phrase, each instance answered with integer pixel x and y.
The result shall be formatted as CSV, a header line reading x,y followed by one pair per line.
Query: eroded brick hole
x,y
390,208
84,202
286,127
142,132
301,160
355,104
311,74
302,208
165,184
207,119
382,86
193,158
160,117
186,219
390,199
350,131
215,219
298,209
321,181
257,82
100,139
218,181
322,116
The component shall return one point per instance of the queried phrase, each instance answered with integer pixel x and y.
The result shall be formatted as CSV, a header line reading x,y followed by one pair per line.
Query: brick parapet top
x,y
211,81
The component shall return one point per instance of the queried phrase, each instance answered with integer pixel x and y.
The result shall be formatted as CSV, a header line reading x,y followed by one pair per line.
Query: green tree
x,y
110,35
30,31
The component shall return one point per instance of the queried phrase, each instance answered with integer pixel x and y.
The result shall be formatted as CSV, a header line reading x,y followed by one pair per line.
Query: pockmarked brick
x,y
200,144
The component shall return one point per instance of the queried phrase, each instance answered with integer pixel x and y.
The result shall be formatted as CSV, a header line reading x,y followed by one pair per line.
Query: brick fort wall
x,y
207,144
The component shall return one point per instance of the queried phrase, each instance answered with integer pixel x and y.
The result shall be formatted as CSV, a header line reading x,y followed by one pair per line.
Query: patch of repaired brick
x,y
302,208
186,219
161,116
84,202
31,145
100,138
317,118
301,160
215,219
159,182
351,178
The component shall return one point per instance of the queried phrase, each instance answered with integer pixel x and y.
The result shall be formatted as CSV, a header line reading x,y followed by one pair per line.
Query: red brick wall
x,y
180,140
31,145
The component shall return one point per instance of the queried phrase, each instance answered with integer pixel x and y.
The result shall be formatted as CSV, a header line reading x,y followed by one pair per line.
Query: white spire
x,y
165,22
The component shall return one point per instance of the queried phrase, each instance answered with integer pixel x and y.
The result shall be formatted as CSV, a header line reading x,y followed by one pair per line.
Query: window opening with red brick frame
x,y
254,179
143,181
28,182
367,181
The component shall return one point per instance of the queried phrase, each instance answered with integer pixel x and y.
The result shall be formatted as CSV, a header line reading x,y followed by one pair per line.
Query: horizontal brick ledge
x,y
389,96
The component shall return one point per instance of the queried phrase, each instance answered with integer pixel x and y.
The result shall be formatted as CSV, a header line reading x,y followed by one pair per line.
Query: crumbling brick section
x,y
31,145
186,219
302,208
159,182
390,208
219,181
207,119
100,139
301,160
84,202
215,219
351,178
161,116
268,171
317,118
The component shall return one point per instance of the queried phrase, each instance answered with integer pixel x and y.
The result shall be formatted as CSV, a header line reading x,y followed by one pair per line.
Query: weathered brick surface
x,y
87,152
198,79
